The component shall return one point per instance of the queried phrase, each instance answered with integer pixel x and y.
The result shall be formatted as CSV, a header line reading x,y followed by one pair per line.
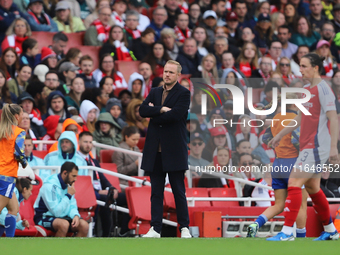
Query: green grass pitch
x,y
176,246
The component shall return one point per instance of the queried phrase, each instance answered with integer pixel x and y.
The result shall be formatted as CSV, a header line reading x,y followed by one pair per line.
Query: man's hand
x,y
115,194
151,104
25,223
71,190
75,222
136,162
165,109
103,192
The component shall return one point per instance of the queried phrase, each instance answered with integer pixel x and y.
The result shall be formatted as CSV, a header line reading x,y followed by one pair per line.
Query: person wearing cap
x,y
304,34
172,9
98,32
189,57
49,58
263,31
159,16
330,65
235,33
138,5
118,14
197,146
64,19
56,105
20,83
209,23
68,71
36,14
219,7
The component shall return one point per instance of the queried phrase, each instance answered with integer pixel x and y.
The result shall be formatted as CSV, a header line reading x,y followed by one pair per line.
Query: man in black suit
x,y
165,150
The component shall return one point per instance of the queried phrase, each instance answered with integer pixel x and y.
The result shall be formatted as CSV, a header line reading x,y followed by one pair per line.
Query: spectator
x,y
260,77
275,50
209,70
235,32
316,17
67,72
73,55
136,5
278,20
247,36
127,164
197,146
232,77
277,77
59,43
261,8
56,105
221,32
77,88
53,130
221,45
145,70
37,16
9,63
248,59
30,53
64,19
194,15
201,36
278,6
295,61
106,68
168,37
157,58
49,58
263,31
118,14
285,70
304,34
27,103
133,117
16,34
52,80
242,146
141,47
125,97
107,85
284,35
94,15
20,83
35,89
301,7
131,23
159,16
181,29
329,64
56,208
189,58
90,113
210,23
96,95
116,45
137,86
246,131
336,20
107,131
244,20
219,7
290,15
157,82
114,107
204,5
172,9
98,32
85,72
25,124
39,73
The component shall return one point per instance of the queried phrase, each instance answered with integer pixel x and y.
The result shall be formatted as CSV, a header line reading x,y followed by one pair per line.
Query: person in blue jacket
x,y
56,207
22,190
67,151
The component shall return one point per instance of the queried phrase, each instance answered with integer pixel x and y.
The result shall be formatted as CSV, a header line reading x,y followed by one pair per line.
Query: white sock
x,y
287,230
330,228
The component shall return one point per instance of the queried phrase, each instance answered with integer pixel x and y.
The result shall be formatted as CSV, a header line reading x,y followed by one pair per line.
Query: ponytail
x,y
8,120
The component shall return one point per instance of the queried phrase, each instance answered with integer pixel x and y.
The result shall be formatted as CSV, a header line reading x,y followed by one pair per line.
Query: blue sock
x,y
301,232
2,230
261,220
10,224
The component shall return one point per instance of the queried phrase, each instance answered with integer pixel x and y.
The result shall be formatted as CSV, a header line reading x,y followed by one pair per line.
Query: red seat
x,y
85,196
223,192
141,143
112,179
117,91
44,38
133,184
263,51
198,192
106,156
139,204
93,52
40,154
75,40
127,68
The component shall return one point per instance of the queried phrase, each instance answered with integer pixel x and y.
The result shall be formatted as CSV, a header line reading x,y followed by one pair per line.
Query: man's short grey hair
x,y
159,8
132,13
168,31
221,38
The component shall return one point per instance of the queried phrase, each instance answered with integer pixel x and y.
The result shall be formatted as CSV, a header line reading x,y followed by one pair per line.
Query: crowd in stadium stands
x,y
67,86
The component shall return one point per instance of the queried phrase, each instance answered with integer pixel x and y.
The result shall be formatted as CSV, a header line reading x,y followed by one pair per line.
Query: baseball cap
x,y
25,96
196,135
40,71
35,1
322,43
229,102
263,17
63,5
68,66
209,13
216,131
78,119
136,3
231,16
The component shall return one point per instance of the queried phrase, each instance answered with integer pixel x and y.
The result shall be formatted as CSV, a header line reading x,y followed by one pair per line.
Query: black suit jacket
x,y
168,129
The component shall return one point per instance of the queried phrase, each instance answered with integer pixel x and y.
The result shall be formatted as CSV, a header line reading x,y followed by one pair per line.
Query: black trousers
x,y
176,178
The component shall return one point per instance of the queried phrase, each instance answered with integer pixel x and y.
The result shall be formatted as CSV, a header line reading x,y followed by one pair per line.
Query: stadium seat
x,y
93,52
44,38
112,179
127,68
133,184
139,204
106,156
118,90
198,192
263,51
75,40
40,154
141,143
223,192
85,196
184,76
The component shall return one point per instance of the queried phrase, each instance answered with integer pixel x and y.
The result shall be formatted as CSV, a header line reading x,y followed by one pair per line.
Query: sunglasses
x,y
198,143
247,164
283,64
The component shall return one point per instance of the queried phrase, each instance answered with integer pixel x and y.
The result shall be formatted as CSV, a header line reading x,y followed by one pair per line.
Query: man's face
x,y
327,32
70,178
170,74
86,66
275,50
190,47
196,147
6,4
73,128
283,35
266,65
27,106
57,105
316,7
220,46
66,146
220,8
85,144
36,8
159,17
232,24
241,10
59,46
145,70
52,81
183,21
28,147
125,99
244,147
171,4
228,111
63,15
70,75
246,161
105,16
132,22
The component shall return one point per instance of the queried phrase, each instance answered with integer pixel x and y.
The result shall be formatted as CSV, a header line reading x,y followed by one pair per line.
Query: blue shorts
x,y
47,222
7,185
281,171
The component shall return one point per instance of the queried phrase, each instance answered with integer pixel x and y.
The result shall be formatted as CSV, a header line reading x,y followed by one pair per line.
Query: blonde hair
x,y
278,70
173,62
11,29
242,58
69,19
8,120
214,72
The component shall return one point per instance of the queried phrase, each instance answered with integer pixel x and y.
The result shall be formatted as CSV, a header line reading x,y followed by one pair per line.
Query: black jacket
x,y
189,65
140,49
